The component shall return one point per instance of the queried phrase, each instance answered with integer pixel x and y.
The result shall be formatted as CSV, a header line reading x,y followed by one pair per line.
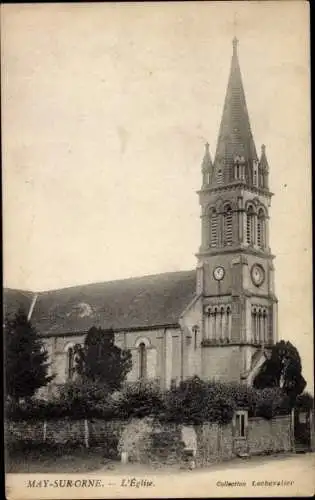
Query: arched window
x,y
250,225
255,177
142,361
214,324
70,363
222,318
265,326
237,170
219,176
259,327
254,324
261,229
213,228
261,178
227,225
228,324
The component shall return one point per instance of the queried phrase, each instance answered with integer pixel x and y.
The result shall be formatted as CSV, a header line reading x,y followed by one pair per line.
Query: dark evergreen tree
x,y
26,361
283,369
104,362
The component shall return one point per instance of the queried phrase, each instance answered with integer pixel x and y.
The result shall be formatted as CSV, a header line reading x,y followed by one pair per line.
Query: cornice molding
x,y
233,185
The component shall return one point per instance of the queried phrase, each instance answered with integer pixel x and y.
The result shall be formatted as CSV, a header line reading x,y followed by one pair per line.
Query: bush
x,y
74,400
271,402
304,401
86,400
193,402
139,399
196,402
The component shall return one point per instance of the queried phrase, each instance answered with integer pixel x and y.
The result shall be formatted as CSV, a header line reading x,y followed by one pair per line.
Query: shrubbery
x,y
304,401
139,399
193,402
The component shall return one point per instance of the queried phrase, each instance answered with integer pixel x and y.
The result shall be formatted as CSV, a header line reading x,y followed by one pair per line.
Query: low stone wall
x,y
214,443
270,436
149,442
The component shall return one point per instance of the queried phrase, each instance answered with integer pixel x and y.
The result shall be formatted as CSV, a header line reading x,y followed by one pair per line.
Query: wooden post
x,y
86,433
124,457
292,430
45,430
312,432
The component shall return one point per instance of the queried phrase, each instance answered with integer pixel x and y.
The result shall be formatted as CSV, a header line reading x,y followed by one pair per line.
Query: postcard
x,y
158,318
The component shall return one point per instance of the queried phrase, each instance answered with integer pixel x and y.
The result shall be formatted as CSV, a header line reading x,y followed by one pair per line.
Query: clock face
x,y
258,274
218,273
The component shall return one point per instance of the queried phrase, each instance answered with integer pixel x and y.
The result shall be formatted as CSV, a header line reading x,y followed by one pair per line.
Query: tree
x,y
283,369
104,362
26,361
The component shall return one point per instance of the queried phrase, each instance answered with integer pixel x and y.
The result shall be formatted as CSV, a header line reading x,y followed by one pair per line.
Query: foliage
x,y
85,399
195,401
305,401
26,361
104,362
139,399
283,369
271,402
74,400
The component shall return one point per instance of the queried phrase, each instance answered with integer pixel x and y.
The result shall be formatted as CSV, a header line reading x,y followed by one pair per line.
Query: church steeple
x,y
235,141
235,273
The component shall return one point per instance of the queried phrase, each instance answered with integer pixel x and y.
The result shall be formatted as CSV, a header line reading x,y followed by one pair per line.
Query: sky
x,y
105,112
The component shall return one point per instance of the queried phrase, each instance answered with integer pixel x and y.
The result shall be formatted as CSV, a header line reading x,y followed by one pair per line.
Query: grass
x,y
40,459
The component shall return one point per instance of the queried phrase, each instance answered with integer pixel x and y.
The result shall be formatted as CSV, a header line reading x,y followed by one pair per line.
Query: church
x,y
216,321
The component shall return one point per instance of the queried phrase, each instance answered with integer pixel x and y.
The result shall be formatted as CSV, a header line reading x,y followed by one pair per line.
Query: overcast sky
x,y
105,112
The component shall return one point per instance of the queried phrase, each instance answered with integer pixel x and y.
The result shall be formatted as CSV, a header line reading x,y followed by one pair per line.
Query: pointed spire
x,y
235,136
235,43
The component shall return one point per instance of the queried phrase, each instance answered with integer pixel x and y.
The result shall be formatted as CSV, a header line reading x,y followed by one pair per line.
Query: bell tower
x,y
235,274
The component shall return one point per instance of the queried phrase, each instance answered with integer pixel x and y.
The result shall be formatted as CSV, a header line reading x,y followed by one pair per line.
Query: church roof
x,y
135,303
14,299
235,135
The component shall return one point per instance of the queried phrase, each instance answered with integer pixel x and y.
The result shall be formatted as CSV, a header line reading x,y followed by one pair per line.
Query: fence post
x,y
124,457
312,433
292,430
86,433
45,430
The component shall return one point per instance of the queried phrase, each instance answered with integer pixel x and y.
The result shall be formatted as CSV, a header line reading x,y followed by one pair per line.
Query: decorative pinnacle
x,y
206,162
234,43
263,149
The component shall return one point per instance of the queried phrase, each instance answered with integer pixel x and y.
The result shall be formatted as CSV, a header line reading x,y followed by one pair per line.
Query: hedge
x,y
194,401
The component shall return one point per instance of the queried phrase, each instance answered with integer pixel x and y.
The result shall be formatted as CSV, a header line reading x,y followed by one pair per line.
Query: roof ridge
x,y
118,280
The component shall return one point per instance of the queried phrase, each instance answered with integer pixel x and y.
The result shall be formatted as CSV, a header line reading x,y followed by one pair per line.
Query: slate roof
x,y
235,135
13,300
142,302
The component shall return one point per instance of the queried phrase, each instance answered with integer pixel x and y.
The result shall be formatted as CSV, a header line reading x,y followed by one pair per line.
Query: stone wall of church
x,y
163,354
57,349
192,328
222,363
